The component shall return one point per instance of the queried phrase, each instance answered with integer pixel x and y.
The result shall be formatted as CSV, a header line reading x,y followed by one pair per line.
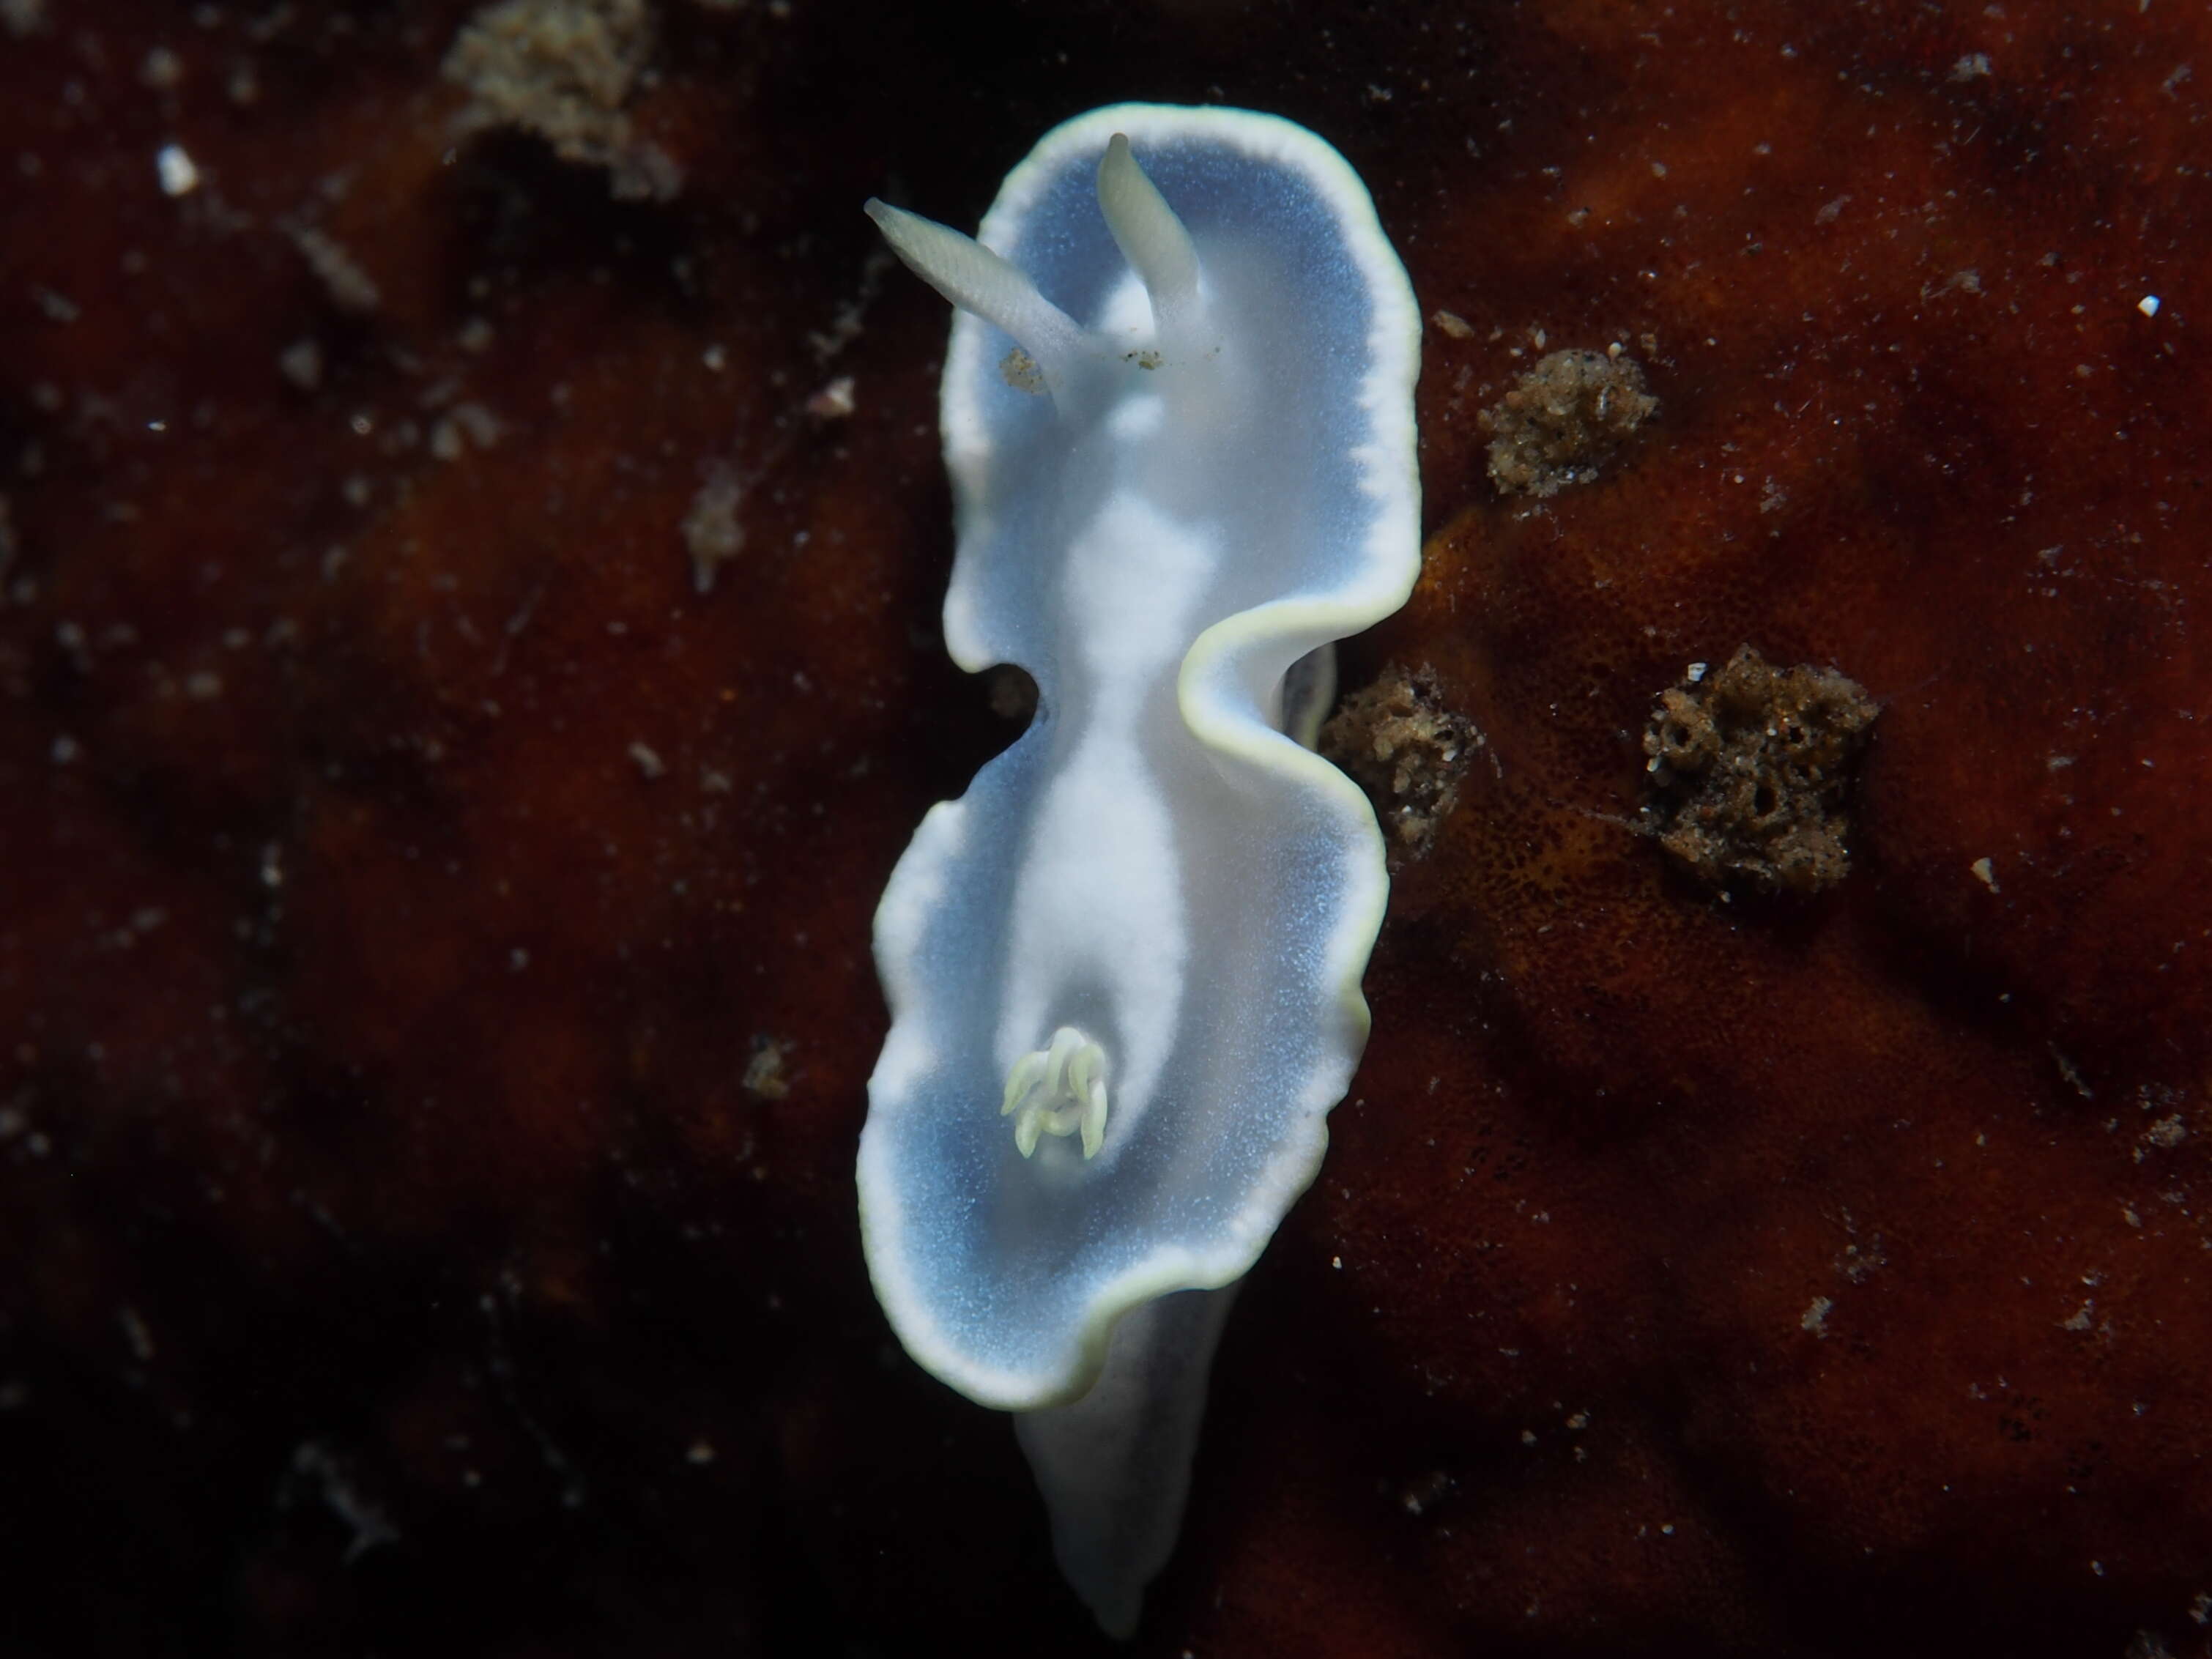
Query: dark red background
x,y
390,1258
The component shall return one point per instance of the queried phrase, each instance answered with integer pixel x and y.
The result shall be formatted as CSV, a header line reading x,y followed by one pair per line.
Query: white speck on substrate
x,y
136,1333
179,177
833,401
1815,1318
1986,872
467,423
649,763
301,363
711,534
2148,305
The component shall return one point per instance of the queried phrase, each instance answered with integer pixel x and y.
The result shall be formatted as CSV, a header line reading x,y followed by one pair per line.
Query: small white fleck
x,y
161,69
1987,872
1815,1318
1974,66
764,1077
833,401
1697,672
349,287
473,422
136,1334
649,763
700,1454
712,533
715,358
2148,305
180,177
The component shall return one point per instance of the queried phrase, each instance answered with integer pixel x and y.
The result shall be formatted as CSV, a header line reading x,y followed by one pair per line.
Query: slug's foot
x,y
1058,1090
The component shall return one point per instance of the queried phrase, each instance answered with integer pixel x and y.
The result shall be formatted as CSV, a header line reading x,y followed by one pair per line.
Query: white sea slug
x,y
1123,969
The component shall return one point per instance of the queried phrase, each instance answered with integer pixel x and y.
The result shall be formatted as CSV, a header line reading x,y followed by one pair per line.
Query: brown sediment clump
x,y
1565,418
1748,772
1406,749
1019,370
564,70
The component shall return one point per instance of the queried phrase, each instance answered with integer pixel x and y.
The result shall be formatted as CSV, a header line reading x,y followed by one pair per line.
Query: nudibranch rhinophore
x,y
1123,969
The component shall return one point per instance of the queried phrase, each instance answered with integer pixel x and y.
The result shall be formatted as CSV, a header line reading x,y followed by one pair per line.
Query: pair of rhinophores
x,y
1123,969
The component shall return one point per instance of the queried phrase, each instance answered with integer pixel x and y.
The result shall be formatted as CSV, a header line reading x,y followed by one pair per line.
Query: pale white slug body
x,y
1140,934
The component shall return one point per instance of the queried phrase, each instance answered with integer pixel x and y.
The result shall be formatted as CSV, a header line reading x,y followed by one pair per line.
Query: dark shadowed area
x,y
469,554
